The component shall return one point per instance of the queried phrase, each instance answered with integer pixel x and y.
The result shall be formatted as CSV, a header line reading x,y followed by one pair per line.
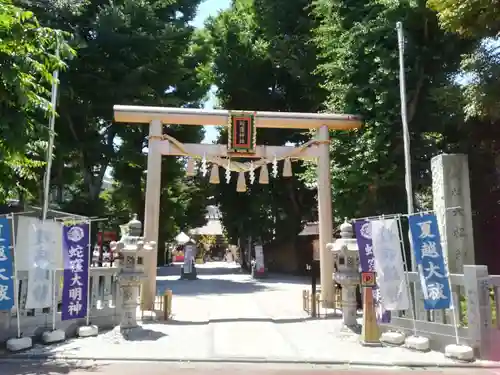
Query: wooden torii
x,y
242,144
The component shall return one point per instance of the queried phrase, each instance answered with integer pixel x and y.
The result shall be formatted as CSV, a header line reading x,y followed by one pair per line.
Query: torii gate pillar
x,y
152,214
325,225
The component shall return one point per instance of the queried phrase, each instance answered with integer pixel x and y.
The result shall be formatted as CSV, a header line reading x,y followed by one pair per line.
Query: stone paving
x,y
225,315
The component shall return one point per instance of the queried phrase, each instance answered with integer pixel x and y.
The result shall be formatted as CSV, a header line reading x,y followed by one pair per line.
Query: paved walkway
x,y
30,367
227,316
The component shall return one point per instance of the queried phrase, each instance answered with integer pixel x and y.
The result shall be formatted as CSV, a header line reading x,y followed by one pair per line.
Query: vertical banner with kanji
x,y
363,232
6,268
76,270
430,261
41,260
389,264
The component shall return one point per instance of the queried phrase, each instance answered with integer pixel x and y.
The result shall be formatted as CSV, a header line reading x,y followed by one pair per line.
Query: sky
x,y
206,9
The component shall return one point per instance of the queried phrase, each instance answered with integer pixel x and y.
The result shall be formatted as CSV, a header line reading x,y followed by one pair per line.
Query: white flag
x,y
26,243
389,264
44,255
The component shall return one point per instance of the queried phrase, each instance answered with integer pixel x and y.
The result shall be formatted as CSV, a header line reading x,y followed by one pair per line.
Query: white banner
x,y
389,264
26,243
44,255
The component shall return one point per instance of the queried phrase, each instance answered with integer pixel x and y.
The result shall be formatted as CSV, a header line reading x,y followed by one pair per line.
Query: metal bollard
x,y
318,304
314,301
167,304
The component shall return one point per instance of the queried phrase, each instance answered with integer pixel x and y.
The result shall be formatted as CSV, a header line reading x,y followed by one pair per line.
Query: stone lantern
x,y
346,257
132,252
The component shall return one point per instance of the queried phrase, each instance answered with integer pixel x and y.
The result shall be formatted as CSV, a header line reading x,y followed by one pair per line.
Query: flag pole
x,y
414,342
46,182
404,119
52,121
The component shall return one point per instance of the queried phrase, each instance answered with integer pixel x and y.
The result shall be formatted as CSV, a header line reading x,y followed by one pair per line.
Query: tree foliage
x,y
272,55
262,61
27,58
128,52
469,17
359,64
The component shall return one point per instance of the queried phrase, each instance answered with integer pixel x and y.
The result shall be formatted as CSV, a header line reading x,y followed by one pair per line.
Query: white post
x,y
325,218
152,212
46,180
52,121
404,120
420,312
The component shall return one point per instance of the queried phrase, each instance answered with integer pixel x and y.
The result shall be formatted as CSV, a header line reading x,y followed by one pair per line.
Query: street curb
x,y
414,364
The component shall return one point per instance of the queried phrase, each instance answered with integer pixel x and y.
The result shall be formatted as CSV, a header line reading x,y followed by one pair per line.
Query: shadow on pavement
x,y
48,367
207,287
143,334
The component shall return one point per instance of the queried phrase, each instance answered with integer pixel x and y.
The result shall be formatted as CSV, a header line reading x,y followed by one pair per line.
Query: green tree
x,y
263,61
469,17
479,135
27,58
129,52
183,201
359,65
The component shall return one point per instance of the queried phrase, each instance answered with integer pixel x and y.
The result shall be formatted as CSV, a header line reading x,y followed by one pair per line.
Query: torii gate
x,y
242,144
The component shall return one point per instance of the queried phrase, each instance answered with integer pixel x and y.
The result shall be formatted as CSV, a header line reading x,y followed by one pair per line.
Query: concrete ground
x,y
227,317
33,367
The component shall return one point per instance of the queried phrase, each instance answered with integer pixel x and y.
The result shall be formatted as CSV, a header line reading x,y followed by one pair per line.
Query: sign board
x,y
368,279
241,134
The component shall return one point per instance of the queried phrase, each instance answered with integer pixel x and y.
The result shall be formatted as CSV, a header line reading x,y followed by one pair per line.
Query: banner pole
x,y
16,277
89,250
54,294
54,298
408,288
16,213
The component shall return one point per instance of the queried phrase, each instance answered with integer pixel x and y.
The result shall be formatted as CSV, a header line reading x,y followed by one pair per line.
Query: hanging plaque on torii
x,y
241,135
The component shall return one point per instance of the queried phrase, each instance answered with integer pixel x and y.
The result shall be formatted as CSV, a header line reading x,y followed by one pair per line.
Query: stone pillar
x,y
451,188
476,281
152,213
129,296
325,218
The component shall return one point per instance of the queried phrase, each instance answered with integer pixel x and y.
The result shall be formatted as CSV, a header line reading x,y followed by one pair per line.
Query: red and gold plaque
x,y
241,133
